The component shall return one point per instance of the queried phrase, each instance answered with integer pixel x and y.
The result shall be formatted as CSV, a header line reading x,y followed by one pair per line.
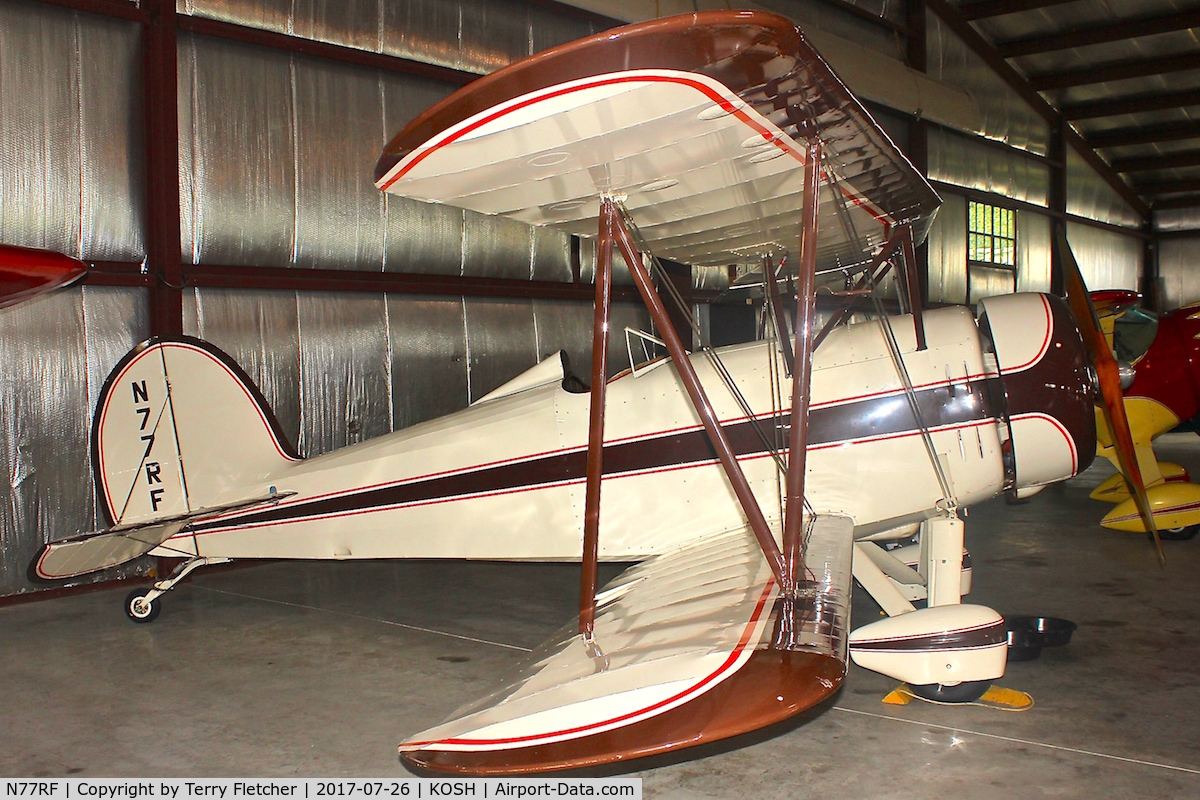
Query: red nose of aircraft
x,y
1049,386
26,272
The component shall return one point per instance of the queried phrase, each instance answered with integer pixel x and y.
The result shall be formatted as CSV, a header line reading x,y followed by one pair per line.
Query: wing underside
x,y
699,123
689,647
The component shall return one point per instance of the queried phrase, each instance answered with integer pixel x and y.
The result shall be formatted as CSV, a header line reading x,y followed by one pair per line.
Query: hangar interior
x,y
240,135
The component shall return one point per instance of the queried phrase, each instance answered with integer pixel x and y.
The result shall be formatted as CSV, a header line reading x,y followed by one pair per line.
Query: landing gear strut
x,y
143,605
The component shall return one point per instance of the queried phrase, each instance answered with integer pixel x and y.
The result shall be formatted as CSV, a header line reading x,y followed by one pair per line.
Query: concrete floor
x,y
319,669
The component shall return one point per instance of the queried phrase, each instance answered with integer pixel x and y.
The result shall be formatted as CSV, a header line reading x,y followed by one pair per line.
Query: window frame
x,y
992,210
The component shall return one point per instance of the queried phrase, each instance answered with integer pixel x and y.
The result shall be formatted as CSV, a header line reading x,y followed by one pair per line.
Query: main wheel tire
x,y
140,611
1179,534
965,692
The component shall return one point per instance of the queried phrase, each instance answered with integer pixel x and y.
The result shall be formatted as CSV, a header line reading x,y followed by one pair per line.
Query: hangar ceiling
x,y
1123,74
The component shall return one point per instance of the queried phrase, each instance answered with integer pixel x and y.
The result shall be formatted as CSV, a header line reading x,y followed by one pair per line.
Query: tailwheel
x,y
139,609
965,692
1180,534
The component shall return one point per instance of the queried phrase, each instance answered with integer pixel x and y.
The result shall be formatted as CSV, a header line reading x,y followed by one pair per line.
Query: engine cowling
x,y
1044,385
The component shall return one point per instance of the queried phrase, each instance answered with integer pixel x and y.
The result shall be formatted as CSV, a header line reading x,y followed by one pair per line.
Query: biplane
x,y
753,484
1162,390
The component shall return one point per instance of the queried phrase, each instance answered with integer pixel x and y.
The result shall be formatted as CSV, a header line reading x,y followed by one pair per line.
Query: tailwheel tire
x,y
138,609
1181,534
965,692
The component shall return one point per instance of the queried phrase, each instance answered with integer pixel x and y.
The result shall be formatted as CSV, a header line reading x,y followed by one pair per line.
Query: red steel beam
x,y
595,451
336,280
160,100
708,417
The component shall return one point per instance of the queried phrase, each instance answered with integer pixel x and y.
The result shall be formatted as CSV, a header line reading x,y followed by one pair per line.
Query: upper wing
x,y
689,647
699,122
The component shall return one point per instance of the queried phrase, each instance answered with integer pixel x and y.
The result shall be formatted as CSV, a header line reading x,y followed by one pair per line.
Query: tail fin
x,y
180,428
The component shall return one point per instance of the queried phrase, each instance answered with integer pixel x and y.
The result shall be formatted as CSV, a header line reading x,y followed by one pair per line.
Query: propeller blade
x,y
1109,378
26,272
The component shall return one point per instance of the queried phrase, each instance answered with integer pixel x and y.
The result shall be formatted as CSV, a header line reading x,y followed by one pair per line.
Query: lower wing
x,y
689,647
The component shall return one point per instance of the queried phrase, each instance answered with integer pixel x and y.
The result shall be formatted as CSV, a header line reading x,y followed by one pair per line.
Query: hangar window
x,y
991,235
991,251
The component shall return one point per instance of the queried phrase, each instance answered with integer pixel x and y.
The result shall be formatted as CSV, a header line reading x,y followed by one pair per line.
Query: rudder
x,y
180,427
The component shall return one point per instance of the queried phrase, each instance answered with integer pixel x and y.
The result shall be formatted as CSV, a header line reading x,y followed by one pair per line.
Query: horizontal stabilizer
x,y
108,548
689,647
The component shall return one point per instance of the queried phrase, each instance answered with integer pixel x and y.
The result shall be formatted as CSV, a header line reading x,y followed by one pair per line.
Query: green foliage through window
x,y
991,235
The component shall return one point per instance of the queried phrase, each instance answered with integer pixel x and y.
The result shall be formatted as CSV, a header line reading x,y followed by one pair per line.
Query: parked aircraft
x,y
1163,391
26,272
751,482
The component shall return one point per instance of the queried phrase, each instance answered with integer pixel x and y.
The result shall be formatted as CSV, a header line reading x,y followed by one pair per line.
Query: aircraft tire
x,y
136,611
1179,534
965,692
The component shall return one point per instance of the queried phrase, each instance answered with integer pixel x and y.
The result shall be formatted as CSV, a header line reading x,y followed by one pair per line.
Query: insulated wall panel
x,y
1089,195
1108,260
425,238
277,153
1178,262
55,352
501,342
1177,219
566,325
1033,251
237,154
339,212
472,35
551,256
496,247
345,370
429,357
70,116
989,282
969,162
1005,115
948,252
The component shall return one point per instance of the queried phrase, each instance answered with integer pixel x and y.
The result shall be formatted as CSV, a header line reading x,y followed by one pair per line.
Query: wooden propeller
x,y
1109,381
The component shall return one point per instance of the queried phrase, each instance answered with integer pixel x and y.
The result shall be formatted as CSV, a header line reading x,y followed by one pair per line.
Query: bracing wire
x,y
706,347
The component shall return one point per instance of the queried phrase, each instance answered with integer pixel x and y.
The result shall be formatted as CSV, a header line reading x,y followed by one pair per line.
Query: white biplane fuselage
x,y
504,478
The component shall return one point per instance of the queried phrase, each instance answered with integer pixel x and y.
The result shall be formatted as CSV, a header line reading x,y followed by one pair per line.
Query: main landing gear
x,y
143,605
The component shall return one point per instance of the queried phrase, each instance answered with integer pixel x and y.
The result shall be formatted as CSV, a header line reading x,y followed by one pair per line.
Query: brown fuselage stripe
x,y
874,417
972,638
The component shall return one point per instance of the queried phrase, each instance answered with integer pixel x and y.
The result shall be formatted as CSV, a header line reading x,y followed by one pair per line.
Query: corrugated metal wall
x,y
1178,257
1180,279
276,153
70,179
